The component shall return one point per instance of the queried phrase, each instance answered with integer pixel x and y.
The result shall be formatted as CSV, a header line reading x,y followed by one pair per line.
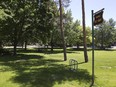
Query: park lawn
x,y
33,69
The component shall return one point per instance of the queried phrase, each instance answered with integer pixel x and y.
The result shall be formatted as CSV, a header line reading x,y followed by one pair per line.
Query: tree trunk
x,y
102,40
15,46
25,45
15,42
22,45
84,32
62,31
77,45
0,44
52,44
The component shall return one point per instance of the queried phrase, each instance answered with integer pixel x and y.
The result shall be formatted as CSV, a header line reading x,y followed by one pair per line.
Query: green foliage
x,y
38,21
105,34
72,31
88,36
26,20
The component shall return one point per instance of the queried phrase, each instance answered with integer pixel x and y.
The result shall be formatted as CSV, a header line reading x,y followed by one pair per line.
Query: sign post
x,y
92,48
97,18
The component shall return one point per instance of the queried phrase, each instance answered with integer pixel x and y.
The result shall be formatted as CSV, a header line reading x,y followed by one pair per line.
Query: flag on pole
x,y
98,17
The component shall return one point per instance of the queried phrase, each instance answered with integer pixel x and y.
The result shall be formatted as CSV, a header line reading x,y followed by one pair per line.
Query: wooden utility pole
x,y
62,30
84,32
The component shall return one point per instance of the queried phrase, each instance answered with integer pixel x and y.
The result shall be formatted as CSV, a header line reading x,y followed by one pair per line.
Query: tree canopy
x,y
37,21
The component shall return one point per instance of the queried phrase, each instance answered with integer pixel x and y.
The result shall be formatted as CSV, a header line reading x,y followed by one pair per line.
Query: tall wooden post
x,y
84,32
62,30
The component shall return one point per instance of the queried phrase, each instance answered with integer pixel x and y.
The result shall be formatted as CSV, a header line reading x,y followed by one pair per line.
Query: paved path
x,y
35,46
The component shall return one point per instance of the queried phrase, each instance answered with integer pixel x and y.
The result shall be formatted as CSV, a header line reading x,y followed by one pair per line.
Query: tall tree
x,y
105,34
27,20
62,31
84,32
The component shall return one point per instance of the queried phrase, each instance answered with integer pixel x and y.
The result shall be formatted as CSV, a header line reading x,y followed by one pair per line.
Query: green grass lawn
x,y
33,69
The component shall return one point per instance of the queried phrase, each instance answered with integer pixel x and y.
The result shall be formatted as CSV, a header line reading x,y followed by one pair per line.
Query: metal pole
x,y
92,49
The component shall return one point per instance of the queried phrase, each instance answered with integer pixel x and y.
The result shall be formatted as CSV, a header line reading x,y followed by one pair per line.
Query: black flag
x,y
98,18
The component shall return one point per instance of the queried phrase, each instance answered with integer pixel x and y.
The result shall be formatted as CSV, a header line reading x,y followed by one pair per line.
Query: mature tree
x,y
62,31
3,16
68,20
53,22
84,32
27,20
74,34
112,31
104,34
88,36
15,23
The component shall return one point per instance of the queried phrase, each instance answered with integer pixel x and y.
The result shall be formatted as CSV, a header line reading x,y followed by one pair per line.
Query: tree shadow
x,y
48,51
7,58
78,49
105,49
41,50
34,50
36,71
48,76
81,62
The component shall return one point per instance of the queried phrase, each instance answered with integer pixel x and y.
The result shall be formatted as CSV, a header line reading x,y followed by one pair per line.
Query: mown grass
x,y
34,69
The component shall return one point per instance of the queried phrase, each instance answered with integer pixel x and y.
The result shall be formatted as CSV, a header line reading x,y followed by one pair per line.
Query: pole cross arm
x,y
98,11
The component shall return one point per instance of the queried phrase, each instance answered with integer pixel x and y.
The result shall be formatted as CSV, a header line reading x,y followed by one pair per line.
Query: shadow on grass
x,y
27,51
78,49
105,49
36,71
48,50
40,50
47,77
81,62
8,58
55,51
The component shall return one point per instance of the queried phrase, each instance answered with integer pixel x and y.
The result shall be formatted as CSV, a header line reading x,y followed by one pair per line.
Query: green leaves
x,y
105,33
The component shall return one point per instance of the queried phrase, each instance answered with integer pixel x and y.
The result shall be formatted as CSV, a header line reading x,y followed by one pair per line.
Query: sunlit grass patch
x,y
34,69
